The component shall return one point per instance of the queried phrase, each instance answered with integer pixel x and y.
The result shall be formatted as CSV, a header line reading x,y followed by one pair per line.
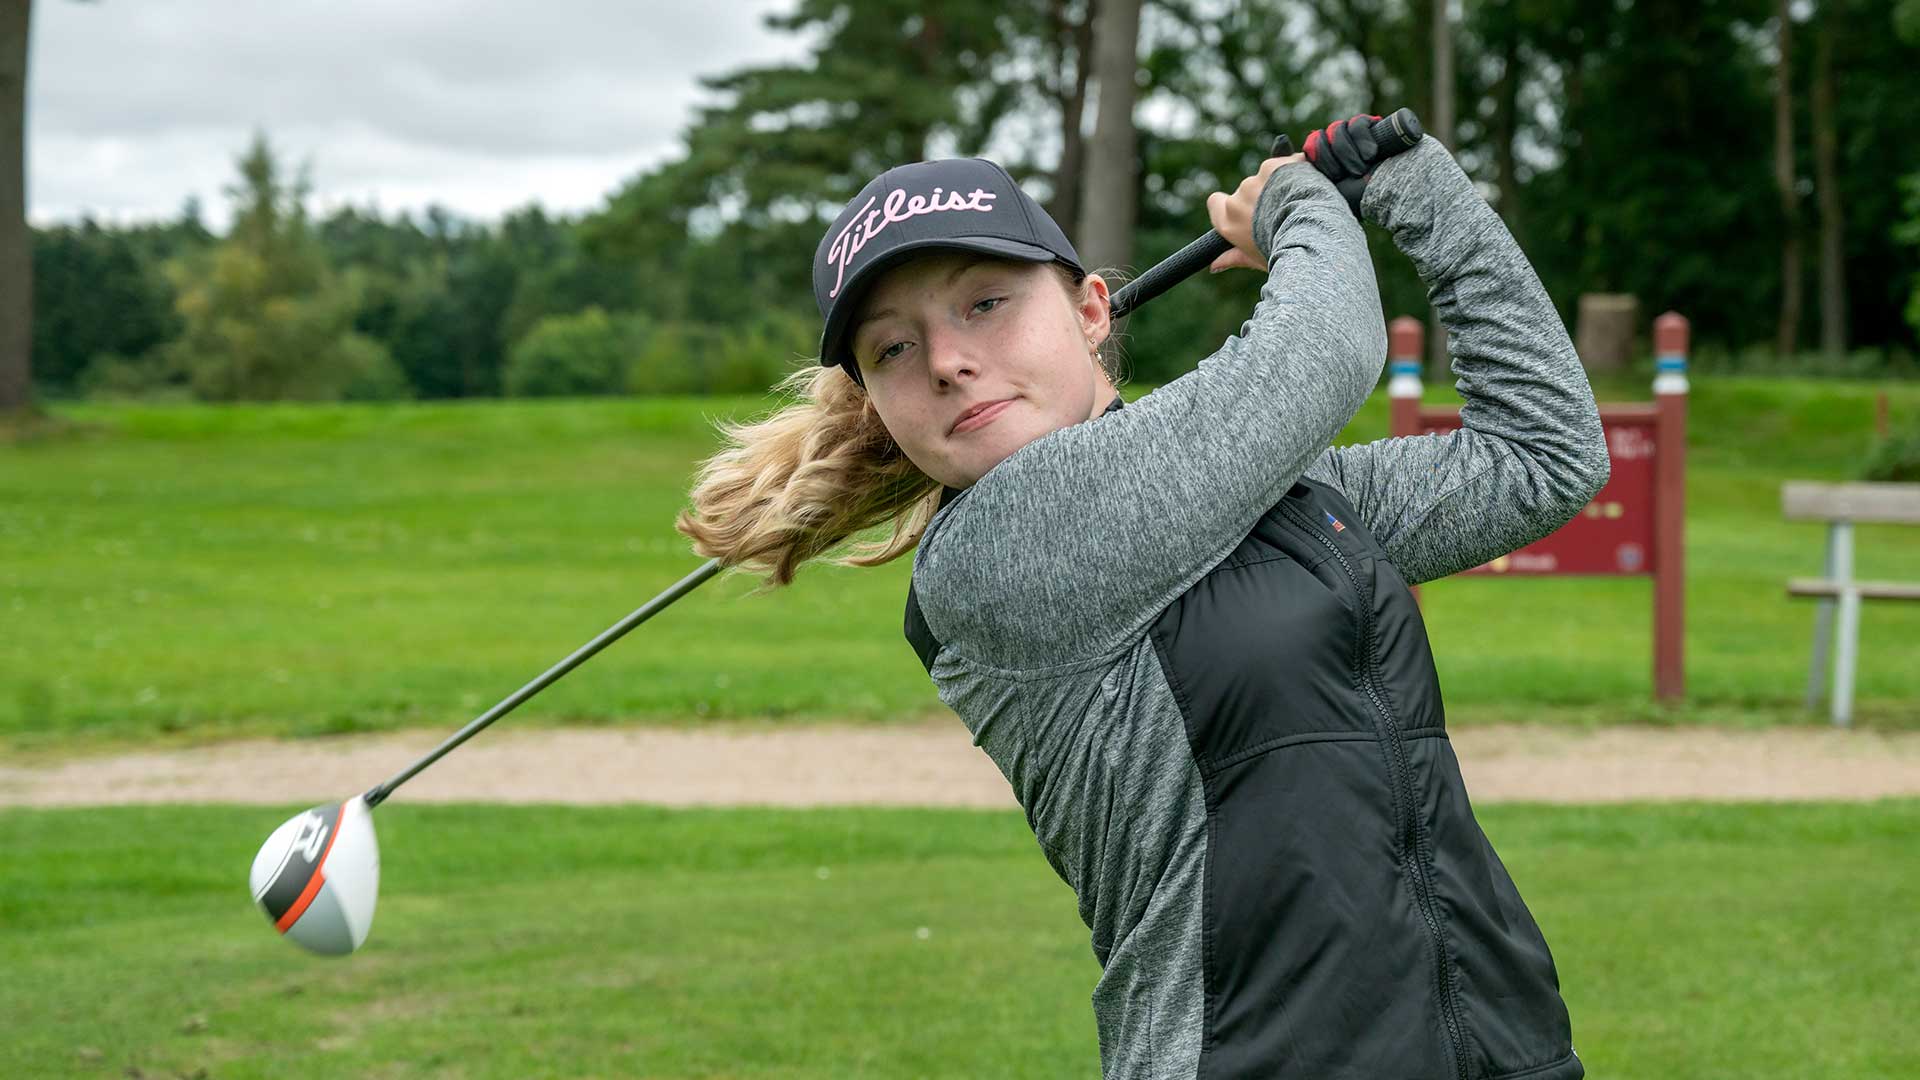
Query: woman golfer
x,y
1182,628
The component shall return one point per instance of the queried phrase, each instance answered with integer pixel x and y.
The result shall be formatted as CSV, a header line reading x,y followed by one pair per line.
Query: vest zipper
x,y
1403,785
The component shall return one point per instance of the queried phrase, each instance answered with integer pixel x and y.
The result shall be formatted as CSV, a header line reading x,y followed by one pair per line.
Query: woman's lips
x,y
982,418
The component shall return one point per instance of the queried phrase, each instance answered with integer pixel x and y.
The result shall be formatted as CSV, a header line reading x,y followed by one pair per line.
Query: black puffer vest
x,y
1354,912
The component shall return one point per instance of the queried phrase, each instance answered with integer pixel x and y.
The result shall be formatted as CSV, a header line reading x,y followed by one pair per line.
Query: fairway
x,y
1692,941
185,572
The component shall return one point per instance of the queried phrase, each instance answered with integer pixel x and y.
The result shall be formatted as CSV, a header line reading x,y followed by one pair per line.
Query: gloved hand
x,y
1347,151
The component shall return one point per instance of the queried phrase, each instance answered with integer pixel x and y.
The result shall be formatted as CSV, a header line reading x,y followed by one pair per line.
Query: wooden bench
x,y
1840,505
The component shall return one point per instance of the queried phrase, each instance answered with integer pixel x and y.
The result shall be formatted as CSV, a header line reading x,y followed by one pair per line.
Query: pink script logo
x,y
898,207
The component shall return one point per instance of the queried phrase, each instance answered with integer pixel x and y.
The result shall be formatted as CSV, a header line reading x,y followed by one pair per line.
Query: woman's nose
x,y
949,355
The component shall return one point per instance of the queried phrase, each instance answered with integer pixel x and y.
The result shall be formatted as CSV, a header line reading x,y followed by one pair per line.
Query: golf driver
x,y
317,877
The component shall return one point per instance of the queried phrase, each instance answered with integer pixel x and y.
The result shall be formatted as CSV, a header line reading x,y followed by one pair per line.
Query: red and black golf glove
x,y
1346,152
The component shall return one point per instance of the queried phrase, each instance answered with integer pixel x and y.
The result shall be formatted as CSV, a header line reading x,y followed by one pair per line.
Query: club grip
x,y
1182,264
1400,131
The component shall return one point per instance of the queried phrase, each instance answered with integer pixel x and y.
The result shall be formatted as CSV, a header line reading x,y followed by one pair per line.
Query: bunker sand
x,y
929,765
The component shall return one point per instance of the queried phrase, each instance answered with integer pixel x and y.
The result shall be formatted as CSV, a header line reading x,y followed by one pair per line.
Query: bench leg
x,y
1839,552
1822,638
1849,651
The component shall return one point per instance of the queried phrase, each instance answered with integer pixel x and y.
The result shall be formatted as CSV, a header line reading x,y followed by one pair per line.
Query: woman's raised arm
x,y
1070,546
1529,452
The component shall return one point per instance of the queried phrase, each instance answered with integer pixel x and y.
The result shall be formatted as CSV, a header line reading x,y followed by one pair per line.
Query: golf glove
x,y
1346,152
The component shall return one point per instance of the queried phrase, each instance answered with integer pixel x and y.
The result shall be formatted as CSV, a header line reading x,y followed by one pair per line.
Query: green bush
x,y
368,372
588,352
756,356
674,360
595,352
1895,459
1761,359
111,376
696,358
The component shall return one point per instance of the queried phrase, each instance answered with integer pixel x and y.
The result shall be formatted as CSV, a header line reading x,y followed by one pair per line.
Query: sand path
x,y
928,765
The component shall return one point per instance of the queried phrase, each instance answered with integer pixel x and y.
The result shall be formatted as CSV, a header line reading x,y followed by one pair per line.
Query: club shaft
x,y
607,637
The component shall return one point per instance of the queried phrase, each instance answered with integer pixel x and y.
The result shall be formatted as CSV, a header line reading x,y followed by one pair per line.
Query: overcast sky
x,y
133,105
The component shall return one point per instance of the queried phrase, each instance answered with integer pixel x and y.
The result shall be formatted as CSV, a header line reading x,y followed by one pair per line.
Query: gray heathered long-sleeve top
x,y
1041,580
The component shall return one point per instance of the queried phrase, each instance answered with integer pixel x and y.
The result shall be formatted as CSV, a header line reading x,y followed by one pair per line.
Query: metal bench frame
x,y
1840,505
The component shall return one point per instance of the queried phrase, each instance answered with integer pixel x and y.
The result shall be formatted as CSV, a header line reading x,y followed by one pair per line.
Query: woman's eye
x,y
888,352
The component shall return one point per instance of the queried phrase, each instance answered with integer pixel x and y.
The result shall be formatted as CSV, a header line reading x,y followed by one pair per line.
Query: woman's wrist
x,y
1296,183
1413,184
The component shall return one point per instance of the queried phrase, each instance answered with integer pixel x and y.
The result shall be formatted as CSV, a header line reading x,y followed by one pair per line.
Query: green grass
x,y
188,572
1692,941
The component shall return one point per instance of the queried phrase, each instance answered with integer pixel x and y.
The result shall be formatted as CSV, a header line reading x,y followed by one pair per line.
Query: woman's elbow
x,y
1361,354
1586,469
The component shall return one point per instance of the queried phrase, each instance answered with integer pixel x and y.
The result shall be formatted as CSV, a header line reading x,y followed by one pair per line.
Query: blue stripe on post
x,y
1675,362
1404,367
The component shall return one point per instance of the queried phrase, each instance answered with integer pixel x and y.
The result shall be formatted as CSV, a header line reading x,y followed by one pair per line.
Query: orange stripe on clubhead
x,y
318,879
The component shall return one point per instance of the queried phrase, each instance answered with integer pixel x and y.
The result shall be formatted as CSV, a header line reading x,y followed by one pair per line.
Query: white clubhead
x,y
317,877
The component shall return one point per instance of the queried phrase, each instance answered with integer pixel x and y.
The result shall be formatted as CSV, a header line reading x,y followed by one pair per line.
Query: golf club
x,y
317,876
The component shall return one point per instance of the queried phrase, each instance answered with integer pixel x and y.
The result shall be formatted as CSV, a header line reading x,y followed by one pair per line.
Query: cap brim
x,y
833,347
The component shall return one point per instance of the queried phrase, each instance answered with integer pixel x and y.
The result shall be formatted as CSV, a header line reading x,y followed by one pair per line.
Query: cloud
x,y
134,106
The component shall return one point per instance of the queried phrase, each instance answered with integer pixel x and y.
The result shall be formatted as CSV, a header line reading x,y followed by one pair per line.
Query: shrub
x,y
754,357
113,376
1895,459
588,352
675,360
367,370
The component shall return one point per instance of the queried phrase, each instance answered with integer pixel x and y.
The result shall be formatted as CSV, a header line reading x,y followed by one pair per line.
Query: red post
x,y
1405,346
1670,334
1406,339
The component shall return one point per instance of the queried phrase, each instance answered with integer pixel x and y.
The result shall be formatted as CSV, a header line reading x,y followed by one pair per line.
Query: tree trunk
x,y
1506,127
1442,125
16,256
1826,177
1418,81
1603,330
1110,193
1077,36
1788,335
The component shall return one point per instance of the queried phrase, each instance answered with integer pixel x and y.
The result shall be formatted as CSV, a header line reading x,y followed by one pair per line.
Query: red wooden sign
x,y
1613,534
1635,525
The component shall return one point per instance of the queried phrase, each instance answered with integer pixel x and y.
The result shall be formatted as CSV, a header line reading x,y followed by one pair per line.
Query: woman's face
x,y
937,336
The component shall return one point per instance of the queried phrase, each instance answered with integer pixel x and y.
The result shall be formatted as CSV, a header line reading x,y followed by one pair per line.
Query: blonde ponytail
x,y
796,484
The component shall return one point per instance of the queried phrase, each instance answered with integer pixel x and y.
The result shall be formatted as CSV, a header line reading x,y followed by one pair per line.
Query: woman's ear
x,y
1095,309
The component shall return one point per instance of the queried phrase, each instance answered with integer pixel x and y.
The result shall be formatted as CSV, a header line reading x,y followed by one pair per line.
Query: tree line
x,y
1747,162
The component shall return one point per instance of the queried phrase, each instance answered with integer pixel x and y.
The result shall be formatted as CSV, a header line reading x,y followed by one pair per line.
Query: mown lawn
x,y
1692,941
186,572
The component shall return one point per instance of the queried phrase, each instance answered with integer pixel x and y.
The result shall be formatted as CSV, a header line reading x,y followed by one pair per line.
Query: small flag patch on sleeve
x,y
1334,521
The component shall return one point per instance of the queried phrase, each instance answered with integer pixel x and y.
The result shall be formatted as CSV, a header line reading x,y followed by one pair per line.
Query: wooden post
x,y
1404,349
1670,334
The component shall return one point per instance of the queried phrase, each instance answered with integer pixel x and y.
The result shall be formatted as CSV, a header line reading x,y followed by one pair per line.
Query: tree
x,y
1068,66
729,227
16,259
1110,189
97,294
1787,180
1826,173
264,315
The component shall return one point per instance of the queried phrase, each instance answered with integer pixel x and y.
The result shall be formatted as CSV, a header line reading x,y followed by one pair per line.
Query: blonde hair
x,y
796,483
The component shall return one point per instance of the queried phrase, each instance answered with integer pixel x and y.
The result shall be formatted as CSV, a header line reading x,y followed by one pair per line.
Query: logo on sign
x,y
1629,443
1629,557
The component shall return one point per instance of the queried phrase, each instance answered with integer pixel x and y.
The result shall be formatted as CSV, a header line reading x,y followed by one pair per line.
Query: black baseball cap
x,y
960,204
